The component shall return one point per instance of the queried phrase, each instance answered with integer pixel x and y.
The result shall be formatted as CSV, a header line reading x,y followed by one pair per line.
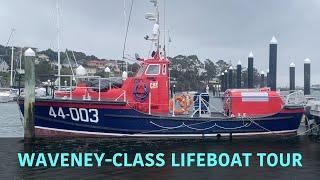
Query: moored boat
x,y
140,107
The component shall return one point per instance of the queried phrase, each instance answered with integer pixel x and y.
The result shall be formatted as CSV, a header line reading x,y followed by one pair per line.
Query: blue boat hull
x,y
54,118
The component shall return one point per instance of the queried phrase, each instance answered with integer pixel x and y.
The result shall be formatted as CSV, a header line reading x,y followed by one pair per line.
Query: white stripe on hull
x,y
164,135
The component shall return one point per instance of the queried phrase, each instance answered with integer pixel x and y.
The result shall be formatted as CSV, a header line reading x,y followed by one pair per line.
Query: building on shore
x,y
4,67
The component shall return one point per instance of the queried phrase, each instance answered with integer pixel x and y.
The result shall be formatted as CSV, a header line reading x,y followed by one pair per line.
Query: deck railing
x,y
73,82
295,98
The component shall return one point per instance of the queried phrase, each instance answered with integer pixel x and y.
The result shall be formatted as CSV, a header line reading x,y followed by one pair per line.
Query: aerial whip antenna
x,y
126,35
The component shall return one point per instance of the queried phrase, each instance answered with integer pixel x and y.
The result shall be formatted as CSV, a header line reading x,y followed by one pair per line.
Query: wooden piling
x,y
226,79
273,46
239,69
222,82
268,78
250,70
292,76
307,70
230,78
29,89
262,79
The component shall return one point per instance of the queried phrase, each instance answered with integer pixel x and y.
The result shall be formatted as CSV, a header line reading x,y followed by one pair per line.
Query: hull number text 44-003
x,y
76,114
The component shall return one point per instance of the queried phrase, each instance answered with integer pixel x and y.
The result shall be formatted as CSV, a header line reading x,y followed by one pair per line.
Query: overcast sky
x,y
214,29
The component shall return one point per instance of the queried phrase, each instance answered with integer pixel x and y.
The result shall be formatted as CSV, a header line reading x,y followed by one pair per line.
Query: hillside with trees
x,y
187,72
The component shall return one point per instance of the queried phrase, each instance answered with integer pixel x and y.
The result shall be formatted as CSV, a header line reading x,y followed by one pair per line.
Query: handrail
x,y
74,77
295,98
200,101
124,96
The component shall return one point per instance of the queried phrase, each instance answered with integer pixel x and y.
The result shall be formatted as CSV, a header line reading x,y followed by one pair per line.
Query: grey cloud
x,y
212,29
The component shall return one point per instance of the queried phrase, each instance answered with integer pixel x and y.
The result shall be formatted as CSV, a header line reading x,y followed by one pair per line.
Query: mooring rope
x,y
197,129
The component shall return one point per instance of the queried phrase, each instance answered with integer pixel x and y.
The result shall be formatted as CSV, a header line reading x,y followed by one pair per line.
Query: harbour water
x,y
11,123
11,142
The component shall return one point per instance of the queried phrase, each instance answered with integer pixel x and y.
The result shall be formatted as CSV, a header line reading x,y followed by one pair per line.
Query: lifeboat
x,y
252,102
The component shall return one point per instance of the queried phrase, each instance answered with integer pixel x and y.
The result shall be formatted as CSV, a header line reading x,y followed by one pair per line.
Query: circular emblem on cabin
x,y
140,91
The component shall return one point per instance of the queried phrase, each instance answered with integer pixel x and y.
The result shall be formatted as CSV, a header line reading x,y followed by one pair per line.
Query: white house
x,y
91,70
3,66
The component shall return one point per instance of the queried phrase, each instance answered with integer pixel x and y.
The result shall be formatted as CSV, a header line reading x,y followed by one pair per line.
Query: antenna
x,y
155,37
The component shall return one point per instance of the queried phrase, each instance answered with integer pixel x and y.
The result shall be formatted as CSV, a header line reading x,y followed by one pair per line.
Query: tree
x,y
221,66
185,69
256,78
43,71
211,70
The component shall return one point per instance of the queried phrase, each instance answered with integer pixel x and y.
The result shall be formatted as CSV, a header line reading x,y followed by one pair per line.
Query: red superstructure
x,y
151,81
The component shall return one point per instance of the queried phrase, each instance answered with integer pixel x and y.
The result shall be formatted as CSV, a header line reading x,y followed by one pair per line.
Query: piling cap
x,y
262,72
230,68
226,71
250,55
222,74
239,62
273,40
29,52
292,64
307,61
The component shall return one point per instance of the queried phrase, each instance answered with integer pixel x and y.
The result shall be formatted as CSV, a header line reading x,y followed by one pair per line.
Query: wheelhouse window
x,y
153,69
164,69
141,70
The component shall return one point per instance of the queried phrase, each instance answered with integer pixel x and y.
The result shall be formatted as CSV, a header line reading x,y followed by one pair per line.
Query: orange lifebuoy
x,y
184,101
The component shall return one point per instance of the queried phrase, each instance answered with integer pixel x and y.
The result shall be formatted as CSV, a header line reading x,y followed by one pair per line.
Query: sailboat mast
x,y
125,28
11,70
20,57
58,44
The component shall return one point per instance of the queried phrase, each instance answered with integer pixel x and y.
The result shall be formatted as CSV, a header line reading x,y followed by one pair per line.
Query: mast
x,y
158,20
58,43
125,29
20,57
11,69
155,37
